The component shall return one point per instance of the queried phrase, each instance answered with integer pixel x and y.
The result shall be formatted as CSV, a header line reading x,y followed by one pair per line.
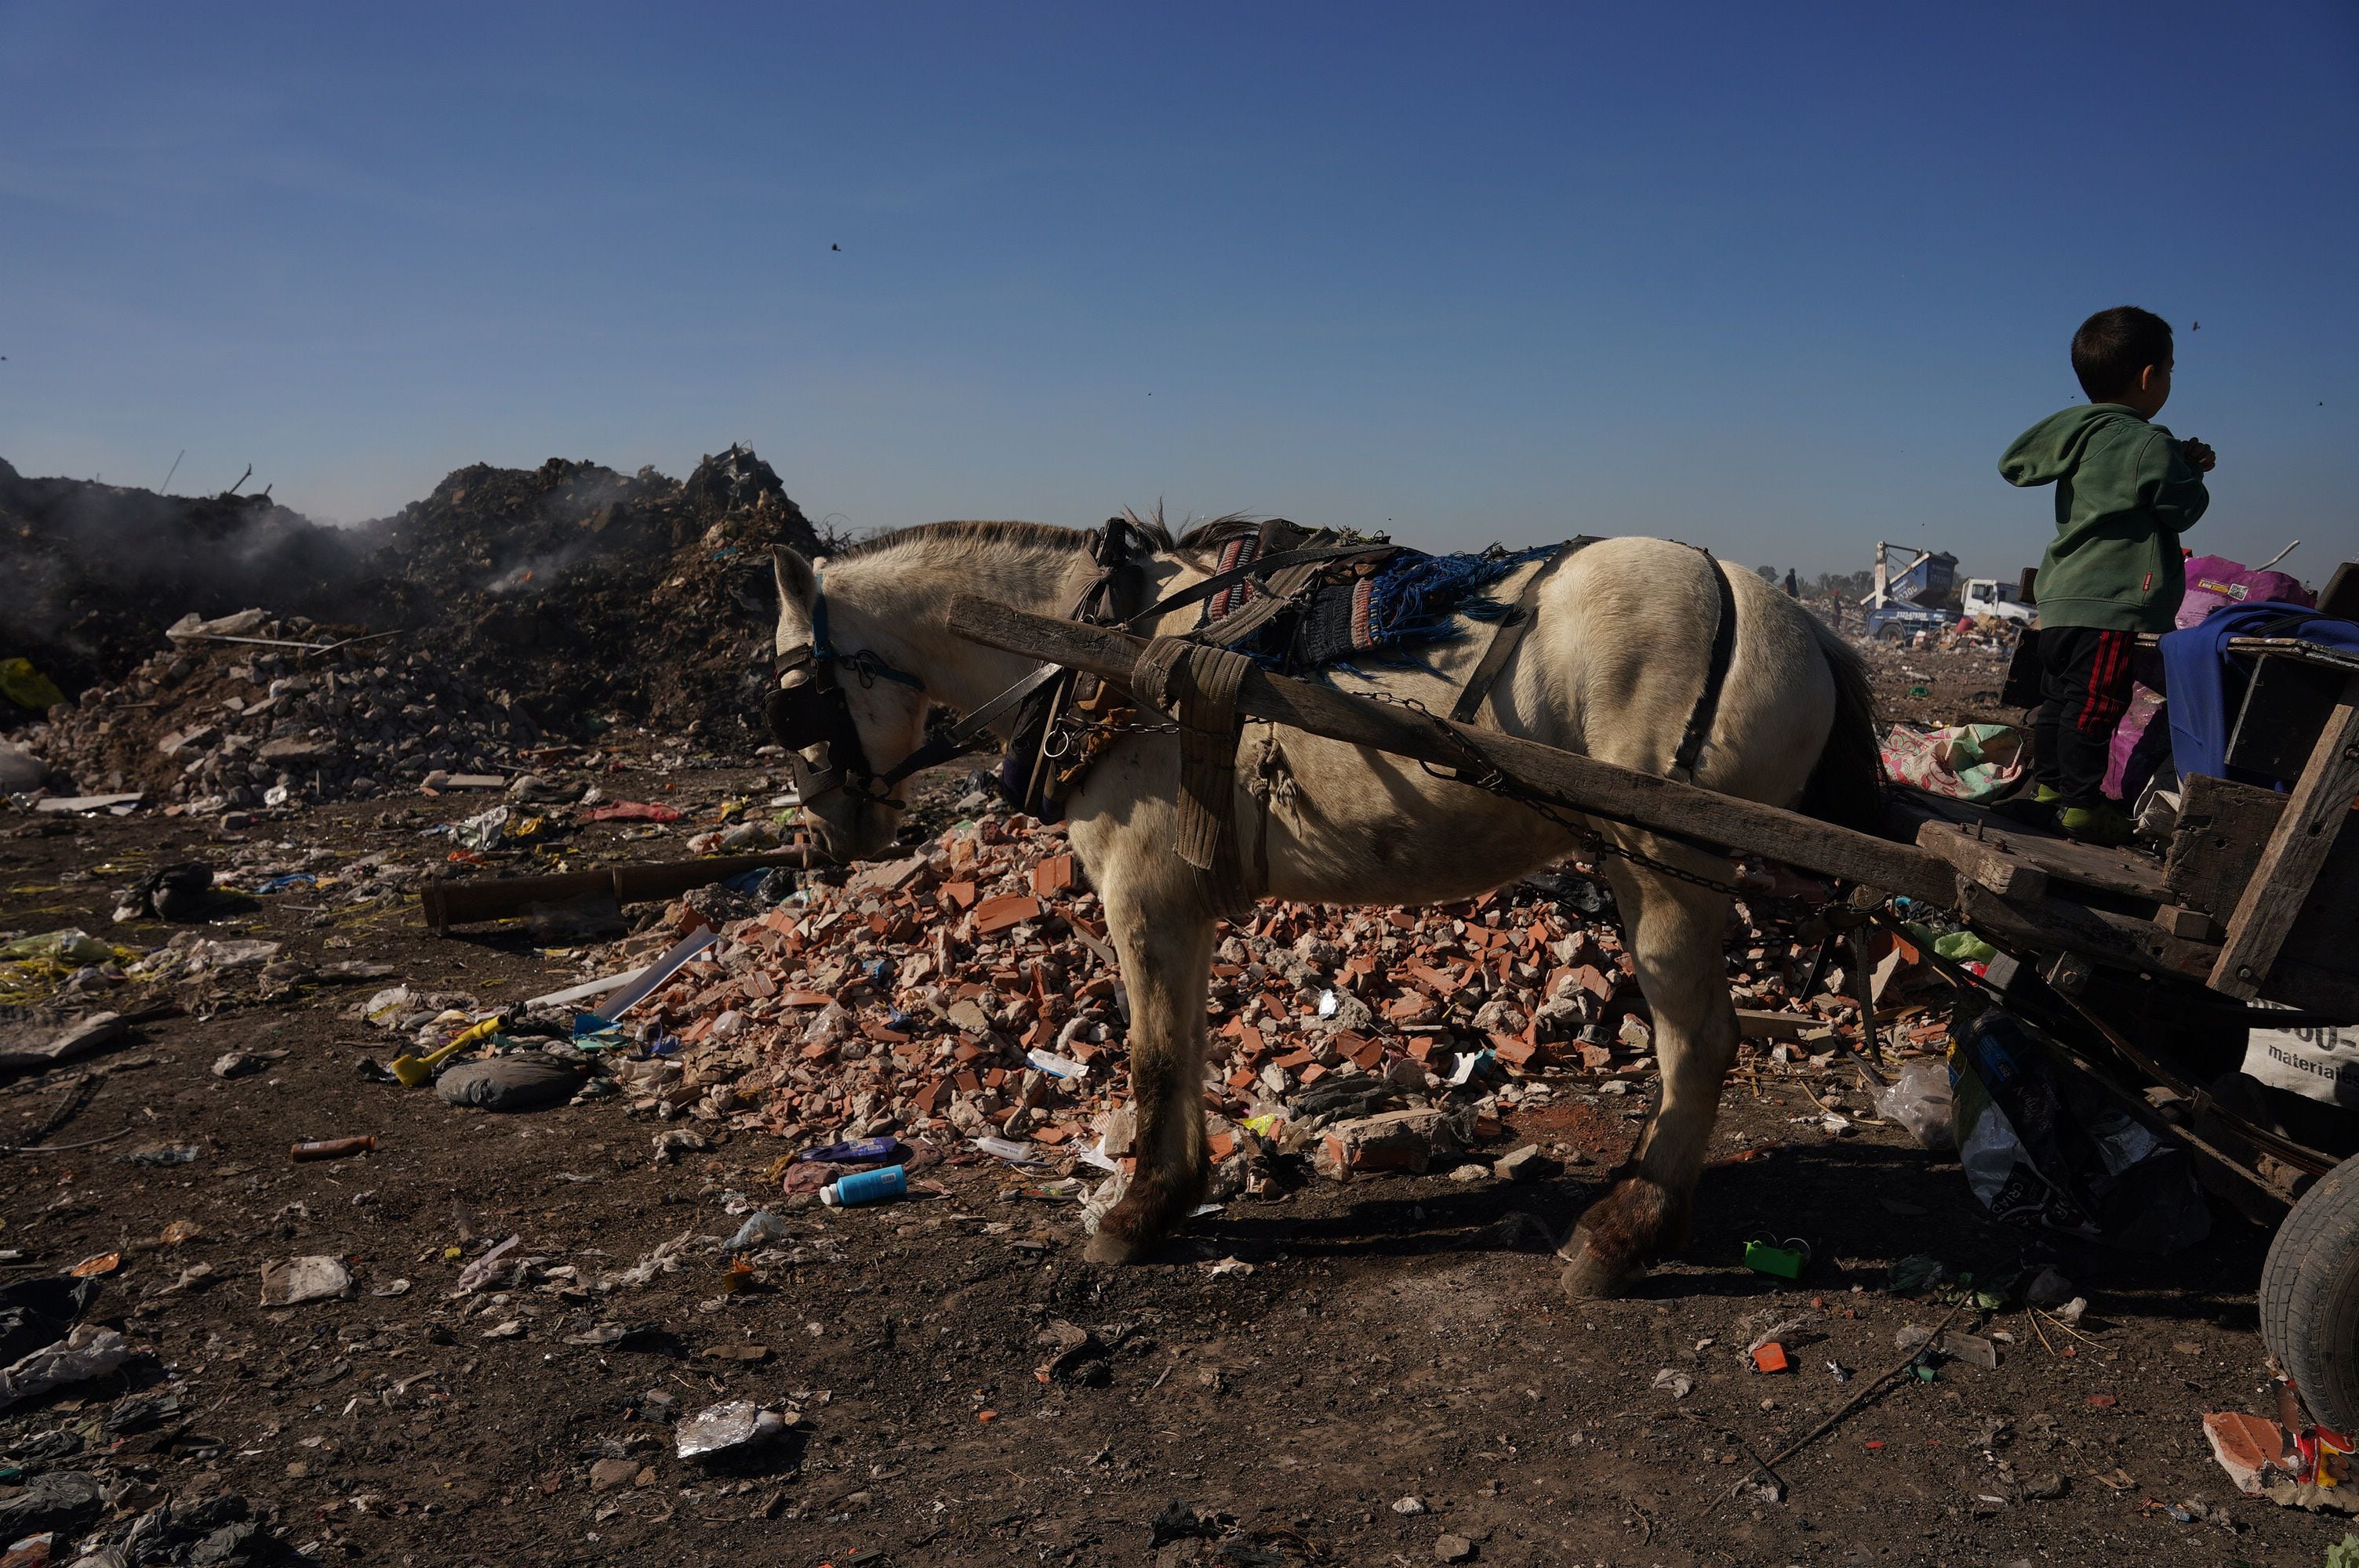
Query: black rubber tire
x,y
2309,1296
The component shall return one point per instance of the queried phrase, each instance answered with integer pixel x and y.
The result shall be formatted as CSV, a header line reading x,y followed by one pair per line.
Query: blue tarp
x,y
2194,665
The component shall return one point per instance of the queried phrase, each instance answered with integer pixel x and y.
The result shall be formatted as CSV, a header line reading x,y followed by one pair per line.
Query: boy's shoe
x,y
2037,809
2105,824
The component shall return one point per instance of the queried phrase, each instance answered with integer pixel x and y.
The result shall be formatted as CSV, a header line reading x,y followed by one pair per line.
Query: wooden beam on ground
x,y
1754,1024
2314,816
1584,784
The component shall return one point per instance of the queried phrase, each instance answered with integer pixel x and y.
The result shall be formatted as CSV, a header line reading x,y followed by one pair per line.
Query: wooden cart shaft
x,y
2000,883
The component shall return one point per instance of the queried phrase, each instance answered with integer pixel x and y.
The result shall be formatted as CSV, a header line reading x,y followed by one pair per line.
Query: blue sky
x,y
1782,281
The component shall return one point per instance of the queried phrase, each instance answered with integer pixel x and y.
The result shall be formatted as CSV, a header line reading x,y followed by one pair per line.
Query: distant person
x,y
1793,588
2125,490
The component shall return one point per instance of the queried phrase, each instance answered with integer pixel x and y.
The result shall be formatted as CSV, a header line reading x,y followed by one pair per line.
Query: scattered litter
x,y
162,1154
330,1149
759,1228
486,1268
1679,1385
1765,1256
1918,1099
519,1081
297,1280
30,1043
865,1187
859,1151
87,1351
732,1424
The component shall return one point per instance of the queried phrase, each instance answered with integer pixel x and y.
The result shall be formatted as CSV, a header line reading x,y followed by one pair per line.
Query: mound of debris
x,y
95,571
968,993
600,596
290,714
591,597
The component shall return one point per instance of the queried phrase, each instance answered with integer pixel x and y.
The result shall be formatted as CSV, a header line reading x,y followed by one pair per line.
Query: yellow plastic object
x,y
416,1072
28,688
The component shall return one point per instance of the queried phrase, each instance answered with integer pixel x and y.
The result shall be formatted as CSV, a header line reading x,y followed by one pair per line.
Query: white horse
x,y
1612,667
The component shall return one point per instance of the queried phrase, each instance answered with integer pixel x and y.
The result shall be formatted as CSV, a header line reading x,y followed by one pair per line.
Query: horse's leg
x,y
1674,931
1166,946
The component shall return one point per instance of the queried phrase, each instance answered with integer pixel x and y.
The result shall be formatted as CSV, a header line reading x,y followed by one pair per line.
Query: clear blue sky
x,y
1781,280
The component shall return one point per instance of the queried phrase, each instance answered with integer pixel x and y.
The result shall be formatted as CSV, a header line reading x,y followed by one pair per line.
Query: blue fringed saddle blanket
x,y
1376,610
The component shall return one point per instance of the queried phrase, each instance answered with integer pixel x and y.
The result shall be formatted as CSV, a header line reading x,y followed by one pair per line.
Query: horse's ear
x,y
796,583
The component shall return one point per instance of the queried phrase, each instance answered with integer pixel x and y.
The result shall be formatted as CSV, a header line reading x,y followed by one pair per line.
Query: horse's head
x,y
845,717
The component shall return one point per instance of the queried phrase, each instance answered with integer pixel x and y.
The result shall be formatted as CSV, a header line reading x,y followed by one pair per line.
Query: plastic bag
x,y
2042,1149
1919,1099
1965,761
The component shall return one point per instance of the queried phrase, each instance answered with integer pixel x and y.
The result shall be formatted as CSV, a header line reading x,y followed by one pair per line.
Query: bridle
x,y
816,710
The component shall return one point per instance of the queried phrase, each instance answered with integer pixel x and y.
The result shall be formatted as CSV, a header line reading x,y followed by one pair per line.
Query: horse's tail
x,y
1846,786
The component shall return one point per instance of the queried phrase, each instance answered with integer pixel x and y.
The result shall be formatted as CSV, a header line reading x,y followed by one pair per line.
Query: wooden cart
x,y
2256,900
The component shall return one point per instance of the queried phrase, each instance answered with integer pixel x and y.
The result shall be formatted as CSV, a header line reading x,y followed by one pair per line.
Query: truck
x,y
1913,599
1987,596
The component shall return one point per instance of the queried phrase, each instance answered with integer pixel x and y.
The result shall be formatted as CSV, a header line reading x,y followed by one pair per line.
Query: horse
x,y
1617,652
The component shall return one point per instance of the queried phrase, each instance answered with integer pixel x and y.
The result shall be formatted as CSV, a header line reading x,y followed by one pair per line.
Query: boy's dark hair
x,y
2113,345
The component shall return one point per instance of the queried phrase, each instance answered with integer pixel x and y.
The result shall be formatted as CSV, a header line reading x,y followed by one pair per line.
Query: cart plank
x,y
2315,813
2048,924
1607,790
2022,864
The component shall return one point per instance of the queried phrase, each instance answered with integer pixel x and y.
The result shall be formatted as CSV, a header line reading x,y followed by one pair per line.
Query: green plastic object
x,y
1764,1258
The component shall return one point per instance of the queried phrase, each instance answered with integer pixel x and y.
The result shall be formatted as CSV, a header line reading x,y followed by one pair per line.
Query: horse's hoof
x,y
1114,1251
1589,1275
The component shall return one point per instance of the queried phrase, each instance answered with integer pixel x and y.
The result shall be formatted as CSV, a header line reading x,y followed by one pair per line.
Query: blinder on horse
x,y
815,712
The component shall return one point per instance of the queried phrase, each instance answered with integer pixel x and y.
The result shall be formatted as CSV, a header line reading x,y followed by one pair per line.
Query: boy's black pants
x,y
2084,682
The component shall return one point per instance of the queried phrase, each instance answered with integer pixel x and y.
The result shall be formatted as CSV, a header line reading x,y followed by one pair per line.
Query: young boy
x,y
2125,489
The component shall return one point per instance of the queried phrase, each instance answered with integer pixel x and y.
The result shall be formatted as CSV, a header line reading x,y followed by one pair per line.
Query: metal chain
x,y
1484,775
1480,774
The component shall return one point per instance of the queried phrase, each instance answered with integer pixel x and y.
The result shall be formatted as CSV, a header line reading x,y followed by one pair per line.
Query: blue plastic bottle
x,y
865,1187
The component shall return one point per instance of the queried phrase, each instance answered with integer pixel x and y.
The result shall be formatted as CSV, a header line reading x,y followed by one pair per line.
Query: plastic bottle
x,y
865,1187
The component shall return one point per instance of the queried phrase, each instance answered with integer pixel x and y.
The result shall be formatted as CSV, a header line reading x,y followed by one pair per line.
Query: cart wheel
x,y
2309,1296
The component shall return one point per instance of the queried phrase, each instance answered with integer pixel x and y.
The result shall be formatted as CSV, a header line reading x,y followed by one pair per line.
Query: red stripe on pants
x,y
2108,673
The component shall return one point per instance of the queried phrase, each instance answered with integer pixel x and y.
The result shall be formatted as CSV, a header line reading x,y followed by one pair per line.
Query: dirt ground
x,y
1392,1367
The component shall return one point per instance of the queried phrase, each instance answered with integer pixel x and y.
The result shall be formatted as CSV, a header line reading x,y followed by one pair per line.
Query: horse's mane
x,y
1202,537
983,531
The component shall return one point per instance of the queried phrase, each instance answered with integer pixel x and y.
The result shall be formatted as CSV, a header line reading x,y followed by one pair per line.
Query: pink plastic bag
x,y
2212,581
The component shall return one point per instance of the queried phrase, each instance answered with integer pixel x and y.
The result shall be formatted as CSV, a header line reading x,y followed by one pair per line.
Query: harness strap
x,y
1715,675
1275,597
1197,686
1207,587
1509,635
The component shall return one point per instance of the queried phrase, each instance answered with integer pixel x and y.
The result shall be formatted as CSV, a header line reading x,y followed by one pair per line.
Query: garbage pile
x,y
213,724
96,571
575,580
561,584
966,995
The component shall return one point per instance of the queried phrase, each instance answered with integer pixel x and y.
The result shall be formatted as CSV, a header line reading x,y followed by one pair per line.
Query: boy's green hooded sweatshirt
x,y
2124,493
